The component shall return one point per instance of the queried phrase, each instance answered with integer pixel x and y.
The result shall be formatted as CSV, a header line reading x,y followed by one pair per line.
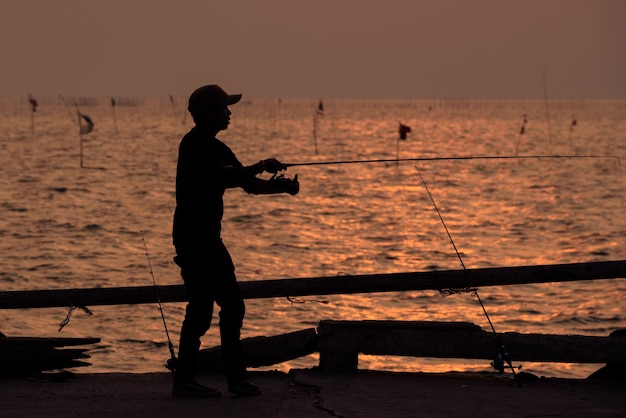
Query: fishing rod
x,y
171,362
454,158
503,356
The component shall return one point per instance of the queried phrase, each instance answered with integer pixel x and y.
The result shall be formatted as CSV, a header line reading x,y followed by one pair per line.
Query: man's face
x,y
218,117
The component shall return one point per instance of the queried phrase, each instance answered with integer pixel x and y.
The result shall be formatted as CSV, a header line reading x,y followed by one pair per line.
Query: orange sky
x,y
320,48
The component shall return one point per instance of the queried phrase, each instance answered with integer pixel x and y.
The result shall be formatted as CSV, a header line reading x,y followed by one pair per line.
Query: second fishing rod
x,y
503,356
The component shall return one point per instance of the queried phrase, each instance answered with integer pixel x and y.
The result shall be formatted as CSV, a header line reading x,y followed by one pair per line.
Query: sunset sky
x,y
320,48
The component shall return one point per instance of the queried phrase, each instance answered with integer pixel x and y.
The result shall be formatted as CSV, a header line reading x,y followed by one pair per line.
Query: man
x,y
206,168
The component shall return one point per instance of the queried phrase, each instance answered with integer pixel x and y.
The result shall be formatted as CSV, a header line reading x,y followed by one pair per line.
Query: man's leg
x,y
197,322
231,321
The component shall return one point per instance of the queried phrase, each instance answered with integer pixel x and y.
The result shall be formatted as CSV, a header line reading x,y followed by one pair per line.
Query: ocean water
x,y
63,226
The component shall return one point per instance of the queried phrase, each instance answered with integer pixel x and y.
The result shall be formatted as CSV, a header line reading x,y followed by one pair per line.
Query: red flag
x,y
404,130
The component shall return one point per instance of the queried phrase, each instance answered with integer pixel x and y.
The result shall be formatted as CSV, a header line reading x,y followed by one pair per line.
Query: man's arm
x,y
236,175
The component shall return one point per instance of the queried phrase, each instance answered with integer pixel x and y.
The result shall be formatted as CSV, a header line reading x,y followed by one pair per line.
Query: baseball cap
x,y
210,95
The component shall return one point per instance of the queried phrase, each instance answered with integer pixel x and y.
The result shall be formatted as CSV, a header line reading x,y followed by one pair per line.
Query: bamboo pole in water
x,y
366,283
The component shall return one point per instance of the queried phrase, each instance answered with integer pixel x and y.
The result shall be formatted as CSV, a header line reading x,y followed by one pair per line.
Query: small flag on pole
x,y
86,124
113,111
33,103
571,128
522,130
404,130
173,106
320,108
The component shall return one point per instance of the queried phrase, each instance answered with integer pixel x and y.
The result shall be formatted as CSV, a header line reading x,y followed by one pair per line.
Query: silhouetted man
x,y
206,168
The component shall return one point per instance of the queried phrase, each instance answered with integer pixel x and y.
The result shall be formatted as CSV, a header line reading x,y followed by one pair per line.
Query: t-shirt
x,y
206,168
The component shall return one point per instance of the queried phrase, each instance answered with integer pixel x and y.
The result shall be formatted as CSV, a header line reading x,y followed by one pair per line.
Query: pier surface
x,y
312,393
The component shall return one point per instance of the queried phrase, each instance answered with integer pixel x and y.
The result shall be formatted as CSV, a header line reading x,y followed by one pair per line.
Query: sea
x,y
94,210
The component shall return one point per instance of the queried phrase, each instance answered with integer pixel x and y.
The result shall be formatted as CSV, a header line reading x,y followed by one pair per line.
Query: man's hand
x,y
292,186
272,165
284,184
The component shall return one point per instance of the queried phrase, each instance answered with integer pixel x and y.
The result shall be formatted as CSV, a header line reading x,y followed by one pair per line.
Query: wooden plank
x,y
28,368
263,351
435,280
23,356
33,356
367,283
15,342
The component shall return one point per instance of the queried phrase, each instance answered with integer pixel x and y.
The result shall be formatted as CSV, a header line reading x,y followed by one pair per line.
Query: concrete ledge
x,y
314,394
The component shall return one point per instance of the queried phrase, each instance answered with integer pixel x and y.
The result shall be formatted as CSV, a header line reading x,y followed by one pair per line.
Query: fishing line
x,y
471,157
293,300
70,311
503,356
170,364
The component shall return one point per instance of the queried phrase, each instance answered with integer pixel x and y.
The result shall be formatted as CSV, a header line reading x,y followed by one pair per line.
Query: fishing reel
x,y
501,361
285,183
170,364
498,363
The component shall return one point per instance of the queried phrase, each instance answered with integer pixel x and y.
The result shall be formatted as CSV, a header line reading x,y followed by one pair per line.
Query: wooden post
x,y
340,342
